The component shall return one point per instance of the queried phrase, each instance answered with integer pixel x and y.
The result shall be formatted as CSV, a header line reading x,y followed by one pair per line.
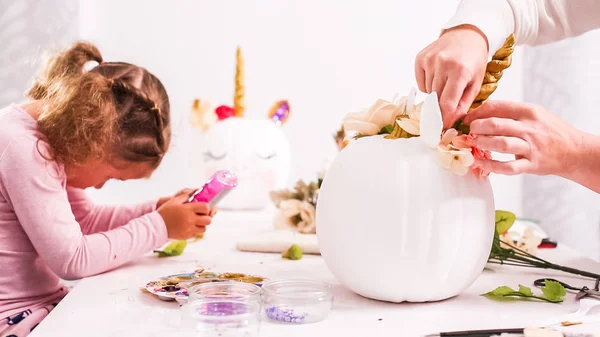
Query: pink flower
x,y
480,154
448,137
452,142
224,112
451,157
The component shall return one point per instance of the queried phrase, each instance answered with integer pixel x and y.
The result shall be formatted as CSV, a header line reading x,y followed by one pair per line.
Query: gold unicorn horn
x,y
239,103
501,60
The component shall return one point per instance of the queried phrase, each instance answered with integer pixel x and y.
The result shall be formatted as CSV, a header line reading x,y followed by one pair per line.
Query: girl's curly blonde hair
x,y
115,110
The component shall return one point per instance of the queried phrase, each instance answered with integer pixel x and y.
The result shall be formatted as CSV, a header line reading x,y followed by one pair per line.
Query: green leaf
x,y
293,253
504,220
174,248
501,291
461,127
525,290
554,291
386,129
464,129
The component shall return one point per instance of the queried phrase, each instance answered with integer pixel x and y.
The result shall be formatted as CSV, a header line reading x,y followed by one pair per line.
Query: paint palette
x,y
175,287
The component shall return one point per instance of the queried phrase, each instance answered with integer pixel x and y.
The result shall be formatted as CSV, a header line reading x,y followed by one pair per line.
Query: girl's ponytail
x,y
64,65
78,113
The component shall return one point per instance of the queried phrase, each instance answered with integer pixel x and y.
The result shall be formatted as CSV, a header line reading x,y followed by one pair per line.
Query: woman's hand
x,y
453,66
186,191
185,220
541,142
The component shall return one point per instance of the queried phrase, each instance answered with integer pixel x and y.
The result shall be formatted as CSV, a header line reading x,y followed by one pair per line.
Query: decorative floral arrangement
x,y
512,249
298,207
402,118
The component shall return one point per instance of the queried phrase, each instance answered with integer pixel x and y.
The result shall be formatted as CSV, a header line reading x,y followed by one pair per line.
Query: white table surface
x,y
112,304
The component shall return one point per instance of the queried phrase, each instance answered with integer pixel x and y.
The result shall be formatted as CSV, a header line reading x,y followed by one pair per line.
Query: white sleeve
x,y
534,22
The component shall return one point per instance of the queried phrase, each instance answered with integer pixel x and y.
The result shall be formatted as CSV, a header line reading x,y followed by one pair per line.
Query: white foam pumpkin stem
x,y
431,121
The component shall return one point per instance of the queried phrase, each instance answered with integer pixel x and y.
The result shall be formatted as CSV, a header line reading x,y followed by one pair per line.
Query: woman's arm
x,y
100,218
534,22
586,172
35,189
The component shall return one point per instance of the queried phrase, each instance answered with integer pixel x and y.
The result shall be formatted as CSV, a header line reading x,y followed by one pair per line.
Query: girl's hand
x,y
185,191
453,66
185,220
541,142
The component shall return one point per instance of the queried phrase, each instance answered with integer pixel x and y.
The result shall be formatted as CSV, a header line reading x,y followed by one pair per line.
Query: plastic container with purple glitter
x,y
297,301
224,309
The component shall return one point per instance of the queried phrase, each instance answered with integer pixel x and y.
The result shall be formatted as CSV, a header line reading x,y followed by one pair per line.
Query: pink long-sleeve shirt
x,y
49,231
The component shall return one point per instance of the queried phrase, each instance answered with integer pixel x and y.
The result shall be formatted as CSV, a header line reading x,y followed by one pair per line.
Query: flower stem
x,y
524,253
518,257
573,271
502,262
525,262
517,294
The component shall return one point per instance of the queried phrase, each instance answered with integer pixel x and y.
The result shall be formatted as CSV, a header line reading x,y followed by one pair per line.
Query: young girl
x,y
79,129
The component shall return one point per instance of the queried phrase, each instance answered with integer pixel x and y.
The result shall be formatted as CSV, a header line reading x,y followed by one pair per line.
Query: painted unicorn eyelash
x,y
209,156
271,156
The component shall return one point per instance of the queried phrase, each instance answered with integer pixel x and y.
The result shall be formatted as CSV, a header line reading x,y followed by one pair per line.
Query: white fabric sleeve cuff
x,y
494,18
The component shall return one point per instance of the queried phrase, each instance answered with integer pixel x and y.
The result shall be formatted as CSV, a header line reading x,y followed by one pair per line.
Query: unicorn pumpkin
x,y
256,150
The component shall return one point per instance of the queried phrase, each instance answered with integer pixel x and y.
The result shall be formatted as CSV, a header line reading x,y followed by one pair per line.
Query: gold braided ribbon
x,y
239,102
501,60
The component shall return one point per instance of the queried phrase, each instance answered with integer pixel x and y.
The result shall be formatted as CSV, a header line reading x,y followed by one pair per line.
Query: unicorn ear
x,y
410,103
203,114
431,121
280,112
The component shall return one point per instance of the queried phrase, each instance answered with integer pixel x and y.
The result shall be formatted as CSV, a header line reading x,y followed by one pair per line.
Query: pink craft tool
x,y
216,188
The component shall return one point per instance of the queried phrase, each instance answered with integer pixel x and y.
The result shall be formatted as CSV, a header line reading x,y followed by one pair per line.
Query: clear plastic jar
x,y
297,301
224,309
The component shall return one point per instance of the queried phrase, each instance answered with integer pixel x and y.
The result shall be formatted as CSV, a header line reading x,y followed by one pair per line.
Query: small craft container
x,y
208,277
297,301
224,309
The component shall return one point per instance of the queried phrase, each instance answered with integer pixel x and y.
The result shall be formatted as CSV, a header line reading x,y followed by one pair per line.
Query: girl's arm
x,y
100,218
35,189
534,22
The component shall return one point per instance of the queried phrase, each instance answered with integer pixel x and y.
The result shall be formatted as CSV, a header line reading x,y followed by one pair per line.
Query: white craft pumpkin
x,y
256,150
393,225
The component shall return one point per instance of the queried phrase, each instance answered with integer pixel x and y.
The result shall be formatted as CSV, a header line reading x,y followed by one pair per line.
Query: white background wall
x,y
326,57
25,32
563,77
